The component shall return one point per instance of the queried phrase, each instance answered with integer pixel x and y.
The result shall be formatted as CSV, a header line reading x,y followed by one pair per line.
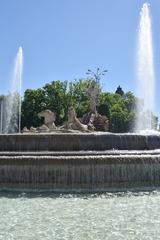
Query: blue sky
x,y
61,39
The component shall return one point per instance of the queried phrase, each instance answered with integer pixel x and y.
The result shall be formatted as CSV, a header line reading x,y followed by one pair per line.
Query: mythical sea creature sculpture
x,y
73,122
96,121
25,130
49,119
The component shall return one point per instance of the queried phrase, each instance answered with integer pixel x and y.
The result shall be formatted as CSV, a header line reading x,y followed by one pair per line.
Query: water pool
x,y
125,215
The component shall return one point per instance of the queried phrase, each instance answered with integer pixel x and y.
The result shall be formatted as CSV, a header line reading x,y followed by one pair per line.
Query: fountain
x,y
145,71
12,121
122,169
75,157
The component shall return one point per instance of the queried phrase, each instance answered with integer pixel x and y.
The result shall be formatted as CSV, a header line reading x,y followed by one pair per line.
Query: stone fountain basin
x,y
79,162
79,173
77,142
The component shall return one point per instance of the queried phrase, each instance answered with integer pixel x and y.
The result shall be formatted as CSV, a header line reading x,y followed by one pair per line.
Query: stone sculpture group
x,y
91,121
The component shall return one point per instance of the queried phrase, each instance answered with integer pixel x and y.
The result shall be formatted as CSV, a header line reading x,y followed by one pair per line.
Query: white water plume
x,y
145,72
13,105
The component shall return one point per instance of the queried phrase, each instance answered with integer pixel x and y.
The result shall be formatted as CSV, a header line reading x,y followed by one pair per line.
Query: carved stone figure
x,y
101,123
96,121
49,119
93,94
43,128
25,130
90,122
73,122
33,130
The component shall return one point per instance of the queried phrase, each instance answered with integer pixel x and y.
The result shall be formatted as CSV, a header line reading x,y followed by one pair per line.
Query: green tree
x,y
56,99
78,96
34,101
120,110
118,119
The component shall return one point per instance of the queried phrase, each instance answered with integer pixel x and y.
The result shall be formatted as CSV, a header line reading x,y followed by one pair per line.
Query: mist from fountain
x,y
145,73
13,102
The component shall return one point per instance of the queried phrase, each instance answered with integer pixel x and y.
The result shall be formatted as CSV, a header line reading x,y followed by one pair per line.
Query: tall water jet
x,y
13,102
145,72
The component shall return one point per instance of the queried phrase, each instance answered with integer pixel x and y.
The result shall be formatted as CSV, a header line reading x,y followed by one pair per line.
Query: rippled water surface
x,y
106,216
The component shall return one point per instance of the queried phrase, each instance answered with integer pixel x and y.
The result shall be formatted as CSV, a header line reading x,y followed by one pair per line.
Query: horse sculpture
x,y
49,119
74,123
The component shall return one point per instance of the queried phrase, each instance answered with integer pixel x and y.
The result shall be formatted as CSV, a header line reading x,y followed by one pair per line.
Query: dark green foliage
x,y
77,96
33,103
121,111
103,109
56,99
